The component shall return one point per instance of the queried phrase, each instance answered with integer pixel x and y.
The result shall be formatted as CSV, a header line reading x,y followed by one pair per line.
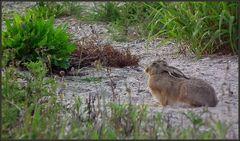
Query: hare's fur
x,y
169,85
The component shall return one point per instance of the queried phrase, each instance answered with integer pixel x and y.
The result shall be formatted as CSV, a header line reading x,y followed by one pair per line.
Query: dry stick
x,y
12,103
112,84
81,47
129,93
98,100
224,81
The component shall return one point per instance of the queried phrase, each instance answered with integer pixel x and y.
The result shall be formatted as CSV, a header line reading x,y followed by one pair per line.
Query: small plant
x,y
73,9
54,9
34,39
106,12
48,9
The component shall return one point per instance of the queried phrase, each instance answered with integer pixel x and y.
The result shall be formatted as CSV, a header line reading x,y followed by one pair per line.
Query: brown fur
x,y
169,85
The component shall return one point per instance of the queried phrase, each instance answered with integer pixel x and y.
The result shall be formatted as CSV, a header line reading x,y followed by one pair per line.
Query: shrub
x,y
34,38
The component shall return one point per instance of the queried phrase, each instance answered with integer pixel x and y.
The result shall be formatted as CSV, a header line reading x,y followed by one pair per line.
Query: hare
x,y
169,85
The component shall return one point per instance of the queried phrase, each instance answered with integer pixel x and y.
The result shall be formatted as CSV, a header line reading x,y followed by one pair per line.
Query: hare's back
x,y
200,92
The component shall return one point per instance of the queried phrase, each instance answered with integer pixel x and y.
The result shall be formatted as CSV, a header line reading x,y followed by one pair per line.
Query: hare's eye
x,y
163,63
154,63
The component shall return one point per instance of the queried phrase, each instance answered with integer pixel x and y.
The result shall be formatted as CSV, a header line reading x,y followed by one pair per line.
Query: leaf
x,y
43,41
36,118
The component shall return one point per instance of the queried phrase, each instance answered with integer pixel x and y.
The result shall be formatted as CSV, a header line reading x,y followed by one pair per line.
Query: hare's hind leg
x,y
189,97
191,100
164,100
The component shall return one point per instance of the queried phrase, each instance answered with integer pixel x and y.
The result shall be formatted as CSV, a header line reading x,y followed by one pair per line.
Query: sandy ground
x,y
221,71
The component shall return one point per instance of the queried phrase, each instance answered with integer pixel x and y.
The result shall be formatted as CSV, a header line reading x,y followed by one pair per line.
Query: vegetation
x,y
28,102
128,20
106,55
204,27
49,9
34,38
31,109
32,106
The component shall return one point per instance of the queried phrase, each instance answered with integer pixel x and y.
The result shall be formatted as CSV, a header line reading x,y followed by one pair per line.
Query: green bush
x,y
34,38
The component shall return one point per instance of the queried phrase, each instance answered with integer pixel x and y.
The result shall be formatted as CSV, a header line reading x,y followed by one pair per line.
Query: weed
x,y
23,114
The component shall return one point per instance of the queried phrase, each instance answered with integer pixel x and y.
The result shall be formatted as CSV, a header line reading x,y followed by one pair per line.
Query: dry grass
x,y
89,52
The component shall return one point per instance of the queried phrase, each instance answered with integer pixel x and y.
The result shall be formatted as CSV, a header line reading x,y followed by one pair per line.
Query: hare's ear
x,y
162,62
176,73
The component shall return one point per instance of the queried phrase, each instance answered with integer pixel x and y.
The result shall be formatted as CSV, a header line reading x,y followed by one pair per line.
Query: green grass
x,y
206,27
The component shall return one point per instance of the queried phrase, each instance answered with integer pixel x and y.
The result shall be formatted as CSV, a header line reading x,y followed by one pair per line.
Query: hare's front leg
x,y
161,97
164,100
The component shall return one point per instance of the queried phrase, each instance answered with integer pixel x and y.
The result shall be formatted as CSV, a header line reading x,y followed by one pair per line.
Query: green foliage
x,y
207,27
25,114
34,38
